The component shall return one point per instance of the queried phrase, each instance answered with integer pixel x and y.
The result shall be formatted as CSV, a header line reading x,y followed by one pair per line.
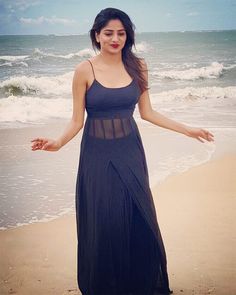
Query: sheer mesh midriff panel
x,y
109,128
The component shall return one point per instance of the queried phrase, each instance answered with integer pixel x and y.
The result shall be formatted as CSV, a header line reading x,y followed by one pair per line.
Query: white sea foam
x,y
46,85
87,52
191,94
60,86
13,57
178,164
11,64
21,60
8,64
31,109
46,218
39,53
142,46
213,71
34,108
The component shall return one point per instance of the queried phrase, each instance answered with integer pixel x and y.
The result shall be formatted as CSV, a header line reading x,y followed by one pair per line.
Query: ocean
x,y
192,79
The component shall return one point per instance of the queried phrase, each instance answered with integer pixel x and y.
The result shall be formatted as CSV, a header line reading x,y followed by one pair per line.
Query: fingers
x,y
208,132
210,138
34,148
207,135
44,147
211,134
198,138
37,139
38,143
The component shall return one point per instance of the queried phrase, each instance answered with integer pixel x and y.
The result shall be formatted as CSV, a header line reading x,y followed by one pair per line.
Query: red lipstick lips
x,y
115,45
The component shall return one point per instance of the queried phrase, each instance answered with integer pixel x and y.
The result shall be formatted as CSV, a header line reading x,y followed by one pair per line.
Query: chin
x,y
114,51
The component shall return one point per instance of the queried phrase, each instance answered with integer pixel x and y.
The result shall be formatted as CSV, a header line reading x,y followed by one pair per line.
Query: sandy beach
x,y
195,211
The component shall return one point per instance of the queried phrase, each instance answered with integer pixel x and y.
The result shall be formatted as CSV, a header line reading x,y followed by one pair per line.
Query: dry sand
x,y
195,212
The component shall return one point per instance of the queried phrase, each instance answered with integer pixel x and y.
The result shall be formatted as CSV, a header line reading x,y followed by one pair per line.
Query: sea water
x,y
192,79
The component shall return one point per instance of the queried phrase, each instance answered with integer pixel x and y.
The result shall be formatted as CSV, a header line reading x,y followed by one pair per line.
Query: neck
x,y
111,59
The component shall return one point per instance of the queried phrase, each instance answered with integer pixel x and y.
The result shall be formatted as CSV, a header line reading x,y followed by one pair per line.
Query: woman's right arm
x,y
77,121
78,90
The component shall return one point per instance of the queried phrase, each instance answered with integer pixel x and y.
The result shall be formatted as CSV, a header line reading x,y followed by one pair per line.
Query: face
x,y
112,37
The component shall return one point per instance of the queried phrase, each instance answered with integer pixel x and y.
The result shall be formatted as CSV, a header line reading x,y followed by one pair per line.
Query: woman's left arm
x,y
152,116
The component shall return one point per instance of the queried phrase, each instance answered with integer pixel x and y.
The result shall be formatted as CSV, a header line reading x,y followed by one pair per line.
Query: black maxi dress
x,y
120,248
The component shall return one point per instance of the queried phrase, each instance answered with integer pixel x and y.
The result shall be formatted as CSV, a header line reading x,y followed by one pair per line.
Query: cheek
x,y
124,39
105,40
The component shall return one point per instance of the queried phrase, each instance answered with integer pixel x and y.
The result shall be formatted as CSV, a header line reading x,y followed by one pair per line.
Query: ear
x,y
97,37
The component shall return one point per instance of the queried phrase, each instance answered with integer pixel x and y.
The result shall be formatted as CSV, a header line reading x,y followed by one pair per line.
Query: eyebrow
x,y
114,30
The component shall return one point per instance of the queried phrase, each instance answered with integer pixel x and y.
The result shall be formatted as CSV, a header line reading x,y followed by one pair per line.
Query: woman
x,y
120,248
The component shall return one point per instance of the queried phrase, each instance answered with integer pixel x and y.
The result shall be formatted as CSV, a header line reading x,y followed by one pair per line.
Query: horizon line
x,y
144,32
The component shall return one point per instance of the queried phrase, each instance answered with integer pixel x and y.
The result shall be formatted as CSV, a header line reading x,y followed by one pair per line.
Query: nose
x,y
115,37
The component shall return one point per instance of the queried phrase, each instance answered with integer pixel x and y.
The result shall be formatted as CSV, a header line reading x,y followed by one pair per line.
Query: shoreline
x,y
70,211
32,182
195,215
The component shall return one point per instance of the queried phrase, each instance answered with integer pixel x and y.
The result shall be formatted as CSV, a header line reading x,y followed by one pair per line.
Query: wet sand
x,y
195,211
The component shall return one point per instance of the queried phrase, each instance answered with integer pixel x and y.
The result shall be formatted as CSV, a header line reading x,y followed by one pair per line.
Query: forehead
x,y
114,24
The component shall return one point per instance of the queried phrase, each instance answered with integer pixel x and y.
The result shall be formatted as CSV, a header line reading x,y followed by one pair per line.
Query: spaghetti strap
x,y
92,68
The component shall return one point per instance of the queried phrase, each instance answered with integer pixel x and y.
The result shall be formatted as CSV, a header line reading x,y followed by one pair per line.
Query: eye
x,y
120,34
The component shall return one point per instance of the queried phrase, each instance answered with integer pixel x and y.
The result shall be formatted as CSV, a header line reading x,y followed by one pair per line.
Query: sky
x,y
26,17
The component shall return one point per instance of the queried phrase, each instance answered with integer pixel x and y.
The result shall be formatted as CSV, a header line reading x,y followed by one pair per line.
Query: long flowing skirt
x,y
120,247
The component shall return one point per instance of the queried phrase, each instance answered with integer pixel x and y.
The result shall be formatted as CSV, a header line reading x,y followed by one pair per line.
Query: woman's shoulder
x,y
83,66
83,70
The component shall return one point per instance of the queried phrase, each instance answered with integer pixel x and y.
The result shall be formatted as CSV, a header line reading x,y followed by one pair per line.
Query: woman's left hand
x,y
199,133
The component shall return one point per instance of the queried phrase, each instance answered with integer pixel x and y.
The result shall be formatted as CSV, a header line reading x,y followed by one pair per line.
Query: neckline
x,y
122,87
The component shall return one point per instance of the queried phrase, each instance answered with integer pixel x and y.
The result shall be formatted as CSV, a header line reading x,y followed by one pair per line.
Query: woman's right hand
x,y
45,144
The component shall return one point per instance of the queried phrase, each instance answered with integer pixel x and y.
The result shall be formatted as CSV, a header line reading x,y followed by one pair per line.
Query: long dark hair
x,y
131,62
